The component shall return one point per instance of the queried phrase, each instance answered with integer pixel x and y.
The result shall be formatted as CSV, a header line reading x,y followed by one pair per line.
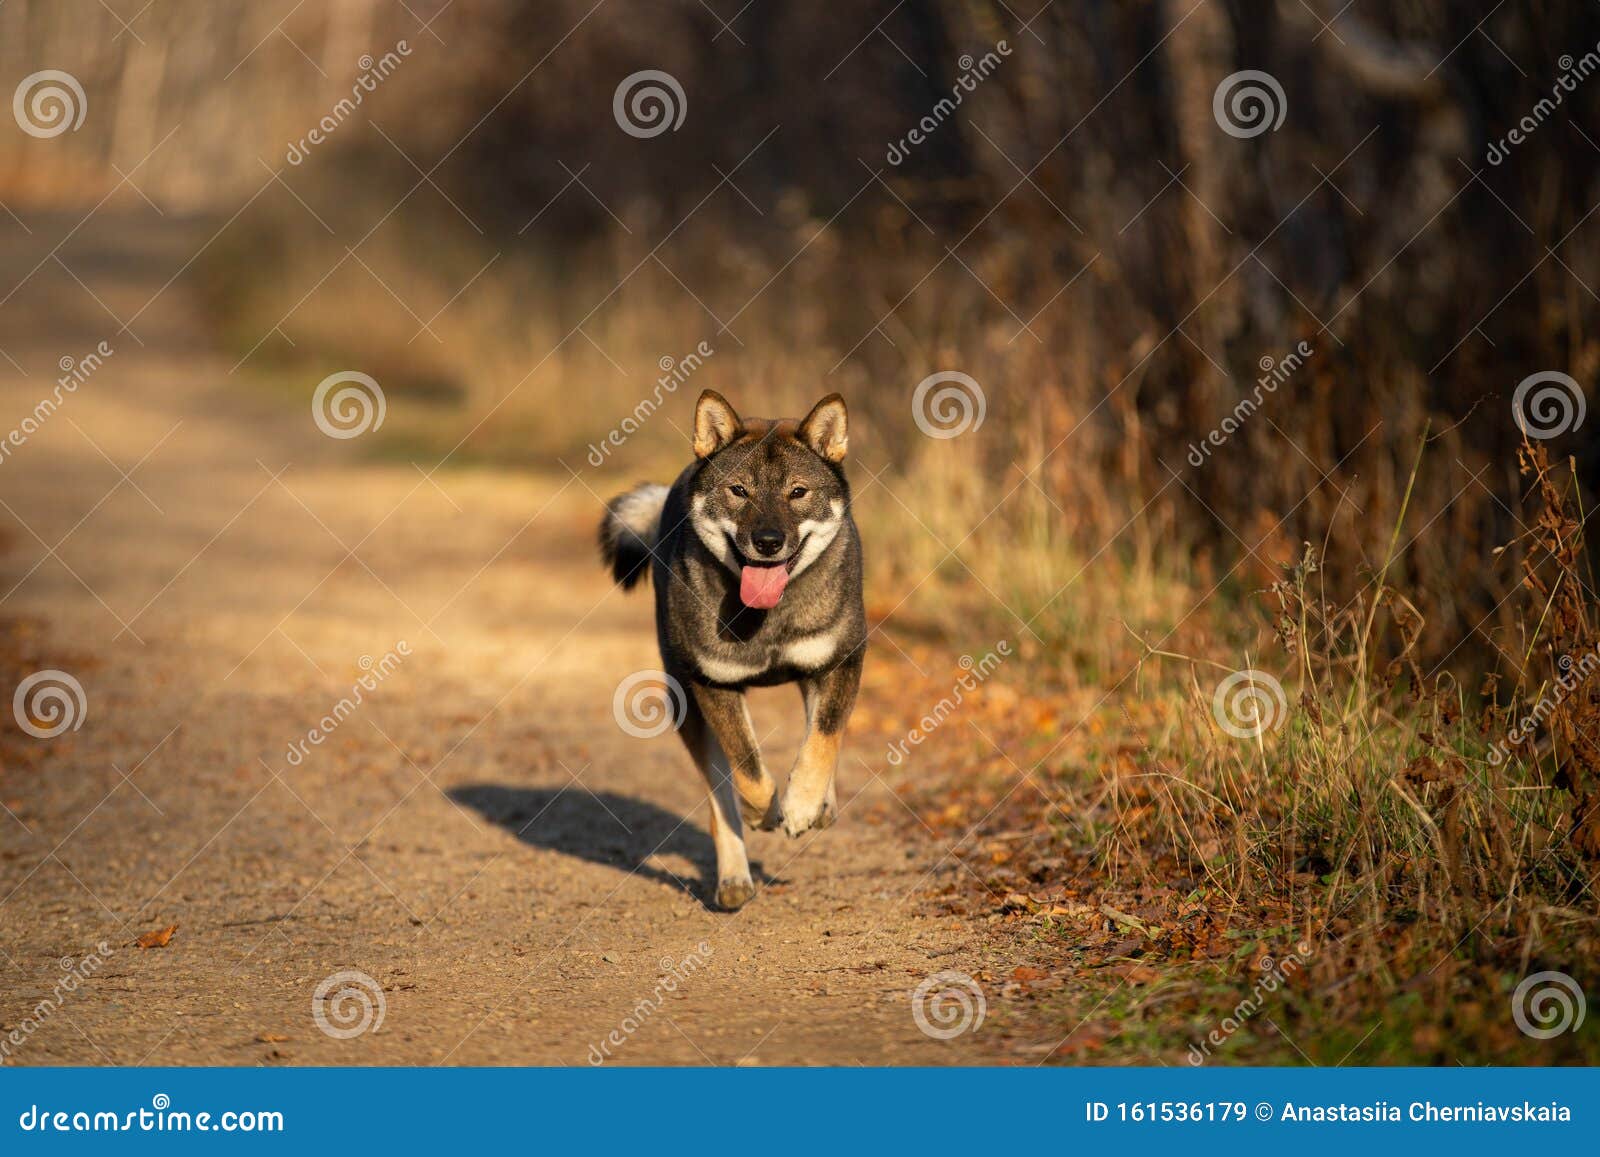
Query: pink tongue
x,y
762,586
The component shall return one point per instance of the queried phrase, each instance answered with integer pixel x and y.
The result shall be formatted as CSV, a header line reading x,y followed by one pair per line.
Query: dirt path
x,y
515,872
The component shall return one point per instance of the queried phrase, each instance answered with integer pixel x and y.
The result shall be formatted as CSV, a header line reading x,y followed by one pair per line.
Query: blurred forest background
x,y
1113,269
1082,238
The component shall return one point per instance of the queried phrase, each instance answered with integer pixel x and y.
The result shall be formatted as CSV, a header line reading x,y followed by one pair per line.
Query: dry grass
x,y
1161,855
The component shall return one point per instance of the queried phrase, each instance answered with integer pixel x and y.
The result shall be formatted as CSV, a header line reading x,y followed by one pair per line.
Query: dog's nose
x,y
767,542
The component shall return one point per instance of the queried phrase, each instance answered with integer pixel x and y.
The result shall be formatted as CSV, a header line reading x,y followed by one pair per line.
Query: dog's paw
x,y
734,894
799,819
762,821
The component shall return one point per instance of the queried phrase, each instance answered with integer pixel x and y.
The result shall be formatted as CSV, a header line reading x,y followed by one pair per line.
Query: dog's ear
x,y
824,429
715,424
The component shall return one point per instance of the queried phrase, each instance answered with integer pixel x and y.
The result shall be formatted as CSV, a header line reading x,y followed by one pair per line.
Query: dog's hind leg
x,y
734,886
809,799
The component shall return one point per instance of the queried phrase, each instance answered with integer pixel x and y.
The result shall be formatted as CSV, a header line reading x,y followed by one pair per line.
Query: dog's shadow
x,y
604,828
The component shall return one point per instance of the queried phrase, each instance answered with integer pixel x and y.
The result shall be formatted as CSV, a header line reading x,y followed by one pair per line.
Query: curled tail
x,y
629,532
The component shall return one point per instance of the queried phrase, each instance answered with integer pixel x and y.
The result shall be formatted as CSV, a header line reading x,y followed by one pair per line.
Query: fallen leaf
x,y
1087,1038
1025,972
1126,920
160,938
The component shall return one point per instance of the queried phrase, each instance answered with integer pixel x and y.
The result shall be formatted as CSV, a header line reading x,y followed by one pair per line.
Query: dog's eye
x,y
798,492
738,491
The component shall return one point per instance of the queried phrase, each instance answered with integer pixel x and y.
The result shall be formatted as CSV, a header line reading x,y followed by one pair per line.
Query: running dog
x,y
757,568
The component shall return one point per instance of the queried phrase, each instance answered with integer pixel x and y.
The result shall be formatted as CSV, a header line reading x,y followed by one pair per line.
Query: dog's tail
x,y
629,532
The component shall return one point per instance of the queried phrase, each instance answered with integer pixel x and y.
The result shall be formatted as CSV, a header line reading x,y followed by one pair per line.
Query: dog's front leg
x,y
728,716
809,800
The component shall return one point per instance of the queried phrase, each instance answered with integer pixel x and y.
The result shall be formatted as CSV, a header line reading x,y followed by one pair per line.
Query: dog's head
x,y
771,496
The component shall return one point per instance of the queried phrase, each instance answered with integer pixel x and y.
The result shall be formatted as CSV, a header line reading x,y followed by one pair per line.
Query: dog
x,y
756,563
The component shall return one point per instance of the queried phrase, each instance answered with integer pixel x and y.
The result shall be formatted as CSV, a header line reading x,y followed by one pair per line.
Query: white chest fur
x,y
812,651
808,653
